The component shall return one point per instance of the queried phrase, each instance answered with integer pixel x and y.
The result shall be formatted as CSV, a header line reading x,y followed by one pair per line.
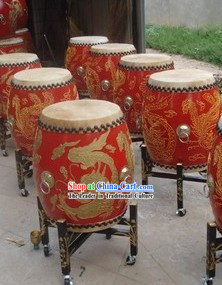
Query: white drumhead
x,y
17,58
88,40
21,31
80,114
11,41
41,76
146,60
113,48
181,78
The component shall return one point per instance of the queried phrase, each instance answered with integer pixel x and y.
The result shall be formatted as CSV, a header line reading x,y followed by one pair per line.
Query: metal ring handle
x,y
206,191
185,138
47,186
127,106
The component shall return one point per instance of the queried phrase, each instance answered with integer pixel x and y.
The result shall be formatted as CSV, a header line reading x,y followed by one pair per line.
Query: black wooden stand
x,y
179,176
70,241
214,244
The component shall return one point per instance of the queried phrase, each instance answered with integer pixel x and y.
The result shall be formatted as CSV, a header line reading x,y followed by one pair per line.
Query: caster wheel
x,y
24,192
46,250
4,153
207,281
108,236
131,260
181,212
68,281
29,174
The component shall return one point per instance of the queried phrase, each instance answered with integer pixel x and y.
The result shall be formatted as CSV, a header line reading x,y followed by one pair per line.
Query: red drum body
x,y
12,45
9,65
77,56
27,38
214,179
136,70
23,15
87,142
102,75
10,10
180,113
32,91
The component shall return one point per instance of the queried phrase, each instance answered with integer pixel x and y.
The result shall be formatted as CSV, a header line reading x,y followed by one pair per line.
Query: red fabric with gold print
x,y
102,73
9,65
87,141
12,45
77,56
214,176
136,70
180,113
23,15
10,10
32,91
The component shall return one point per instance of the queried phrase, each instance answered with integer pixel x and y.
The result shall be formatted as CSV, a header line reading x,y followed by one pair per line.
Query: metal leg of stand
x,y
64,252
211,253
144,165
180,209
3,134
43,228
20,173
131,259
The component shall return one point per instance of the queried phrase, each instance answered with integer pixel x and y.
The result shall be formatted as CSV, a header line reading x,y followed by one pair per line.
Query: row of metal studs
x,y
182,90
94,129
113,53
86,44
19,64
144,68
186,167
100,224
41,87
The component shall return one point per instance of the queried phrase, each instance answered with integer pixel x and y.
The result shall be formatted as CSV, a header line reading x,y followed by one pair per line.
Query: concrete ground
x,y
172,250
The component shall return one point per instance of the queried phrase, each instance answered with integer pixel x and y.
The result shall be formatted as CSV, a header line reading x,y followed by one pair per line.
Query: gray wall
x,y
190,13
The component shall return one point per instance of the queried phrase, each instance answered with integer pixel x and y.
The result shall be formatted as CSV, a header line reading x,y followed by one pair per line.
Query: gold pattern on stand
x,y
23,116
64,253
64,171
203,124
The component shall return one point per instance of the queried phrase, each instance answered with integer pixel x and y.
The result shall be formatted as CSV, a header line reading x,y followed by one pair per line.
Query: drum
x,y
33,90
136,69
102,73
23,15
27,38
9,65
10,10
87,142
180,113
12,45
214,179
77,55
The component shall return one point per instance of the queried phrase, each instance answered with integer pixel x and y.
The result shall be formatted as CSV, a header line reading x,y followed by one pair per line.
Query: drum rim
x,y
9,61
87,125
159,84
21,31
99,49
23,84
164,61
76,41
12,41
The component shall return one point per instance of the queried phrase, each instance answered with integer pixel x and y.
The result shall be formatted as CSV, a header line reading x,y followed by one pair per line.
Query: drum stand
x,y
147,166
24,168
70,241
4,135
214,244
